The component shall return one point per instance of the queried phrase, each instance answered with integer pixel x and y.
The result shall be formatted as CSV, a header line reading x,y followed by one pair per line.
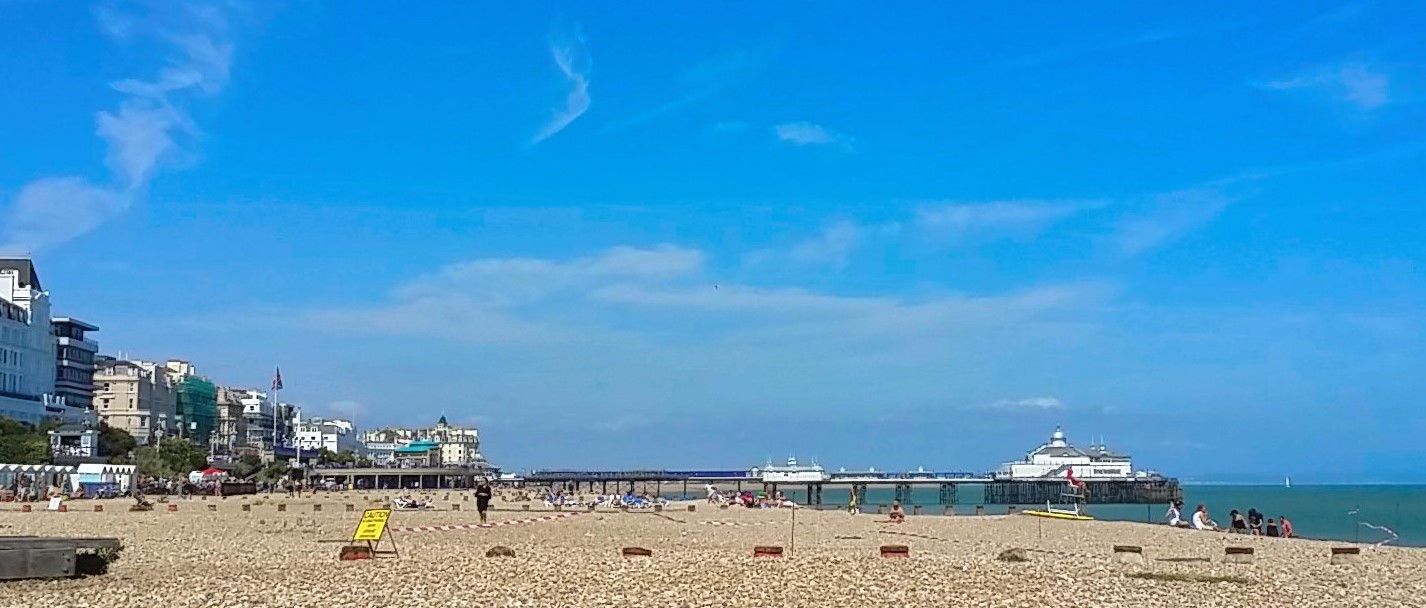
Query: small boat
x,y
1287,482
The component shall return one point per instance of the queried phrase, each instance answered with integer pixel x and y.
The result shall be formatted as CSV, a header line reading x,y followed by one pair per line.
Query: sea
x,y
1395,514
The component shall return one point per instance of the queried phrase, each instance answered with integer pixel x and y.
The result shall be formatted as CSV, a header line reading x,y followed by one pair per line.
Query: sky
x,y
708,235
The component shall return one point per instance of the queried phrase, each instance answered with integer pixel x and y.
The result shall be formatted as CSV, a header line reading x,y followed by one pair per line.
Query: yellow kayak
x,y
1054,515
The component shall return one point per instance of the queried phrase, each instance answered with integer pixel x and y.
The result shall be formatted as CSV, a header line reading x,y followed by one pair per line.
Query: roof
x,y
1058,451
25,267
75,322
423,445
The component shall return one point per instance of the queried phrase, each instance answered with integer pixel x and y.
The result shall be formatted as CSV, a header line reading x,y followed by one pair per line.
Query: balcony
x,y
80,343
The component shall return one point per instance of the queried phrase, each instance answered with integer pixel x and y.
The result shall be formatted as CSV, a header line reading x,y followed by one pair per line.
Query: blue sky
x,y
667,234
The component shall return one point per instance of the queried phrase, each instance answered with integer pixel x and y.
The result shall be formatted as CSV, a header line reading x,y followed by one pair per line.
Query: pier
x,y
1151,490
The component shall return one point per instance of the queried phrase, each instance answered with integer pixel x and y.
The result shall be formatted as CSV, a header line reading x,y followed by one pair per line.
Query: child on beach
x,y
1284,526
898,515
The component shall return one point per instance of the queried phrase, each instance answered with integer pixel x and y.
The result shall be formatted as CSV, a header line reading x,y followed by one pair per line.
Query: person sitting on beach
x,y
1236,523
1272,528
898,514
1174,515
1255,522
1284,526
1201,521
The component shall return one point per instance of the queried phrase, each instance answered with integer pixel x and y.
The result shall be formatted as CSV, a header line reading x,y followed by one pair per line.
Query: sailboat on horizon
x,y
1287,482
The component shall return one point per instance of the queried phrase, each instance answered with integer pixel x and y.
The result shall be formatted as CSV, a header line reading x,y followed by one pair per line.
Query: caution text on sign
x,y
372,525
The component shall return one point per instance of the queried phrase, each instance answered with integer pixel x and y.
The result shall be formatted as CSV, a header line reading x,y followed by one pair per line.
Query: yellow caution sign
x,y
372,525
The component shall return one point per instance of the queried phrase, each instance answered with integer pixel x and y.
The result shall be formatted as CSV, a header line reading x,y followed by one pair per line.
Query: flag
x,y
277,380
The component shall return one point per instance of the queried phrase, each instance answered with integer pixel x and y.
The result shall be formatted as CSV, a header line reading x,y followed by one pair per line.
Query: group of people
x,y
749,500
1254,522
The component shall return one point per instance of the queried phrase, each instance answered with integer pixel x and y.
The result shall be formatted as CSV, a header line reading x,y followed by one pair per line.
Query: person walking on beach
x,y
483,494
852,503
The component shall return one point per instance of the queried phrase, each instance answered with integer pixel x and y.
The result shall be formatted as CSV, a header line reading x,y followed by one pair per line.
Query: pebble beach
x,y
227,557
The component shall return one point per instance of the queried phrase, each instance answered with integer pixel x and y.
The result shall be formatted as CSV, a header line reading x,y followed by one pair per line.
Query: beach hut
x,y
36,479
104,479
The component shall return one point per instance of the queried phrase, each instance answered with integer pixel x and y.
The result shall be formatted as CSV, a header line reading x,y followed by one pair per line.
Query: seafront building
x,y
458,446
27,348
74,365
335,435
259,419
137,397
1057,458
195,401
231,434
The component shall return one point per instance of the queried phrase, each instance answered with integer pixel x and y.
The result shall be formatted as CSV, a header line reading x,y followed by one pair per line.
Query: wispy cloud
x,y
575,63
808,134
704,80
146,132
959,221
1094,47
1353,83
834,244
1167,218
1029,404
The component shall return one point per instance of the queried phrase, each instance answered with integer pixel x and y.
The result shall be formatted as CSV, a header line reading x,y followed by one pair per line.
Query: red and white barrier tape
x,y
493,524
736,523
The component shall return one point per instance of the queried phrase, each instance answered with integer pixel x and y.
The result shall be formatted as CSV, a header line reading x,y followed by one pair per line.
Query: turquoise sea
x,y
1351,513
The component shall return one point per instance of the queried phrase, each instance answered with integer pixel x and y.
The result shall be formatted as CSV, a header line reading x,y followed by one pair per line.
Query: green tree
x,y
277,469
182,455
326,456
115,445
150,463
21,443
247,466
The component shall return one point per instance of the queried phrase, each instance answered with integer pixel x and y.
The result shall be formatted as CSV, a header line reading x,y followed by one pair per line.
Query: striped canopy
x,y
42,469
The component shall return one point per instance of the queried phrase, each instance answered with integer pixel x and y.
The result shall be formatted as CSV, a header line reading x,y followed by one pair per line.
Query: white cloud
x,y
833,246
574,62
143,134
808,134
1354,83
56,209
958,221
1029,404
1167,218
499,300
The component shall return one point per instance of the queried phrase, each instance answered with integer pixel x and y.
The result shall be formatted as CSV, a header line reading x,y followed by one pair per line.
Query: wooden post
x,y
1238,555
1129,554
1342,556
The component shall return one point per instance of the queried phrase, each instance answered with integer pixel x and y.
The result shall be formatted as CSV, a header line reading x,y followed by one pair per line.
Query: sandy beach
x,y
262,557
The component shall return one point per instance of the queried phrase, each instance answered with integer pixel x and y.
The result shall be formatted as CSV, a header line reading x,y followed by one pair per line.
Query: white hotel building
x,y
27,346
